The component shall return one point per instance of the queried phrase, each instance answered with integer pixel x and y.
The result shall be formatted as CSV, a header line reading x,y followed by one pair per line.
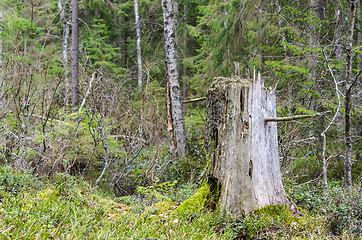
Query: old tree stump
x,y
242,147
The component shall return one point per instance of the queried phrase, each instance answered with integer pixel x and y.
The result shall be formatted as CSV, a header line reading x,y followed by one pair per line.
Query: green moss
x,y
160,207
48,193
196,202
273,211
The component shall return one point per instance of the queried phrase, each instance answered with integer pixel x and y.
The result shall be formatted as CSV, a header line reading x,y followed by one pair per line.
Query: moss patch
x,y
196,202
160,207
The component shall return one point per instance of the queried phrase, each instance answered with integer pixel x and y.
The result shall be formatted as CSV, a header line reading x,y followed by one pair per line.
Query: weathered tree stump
x,y
242,146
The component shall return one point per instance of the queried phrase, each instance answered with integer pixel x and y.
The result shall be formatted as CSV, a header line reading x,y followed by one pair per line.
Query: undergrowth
x,y
65,207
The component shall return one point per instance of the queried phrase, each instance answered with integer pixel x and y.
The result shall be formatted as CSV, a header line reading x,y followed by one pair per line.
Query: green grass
x,y
68,208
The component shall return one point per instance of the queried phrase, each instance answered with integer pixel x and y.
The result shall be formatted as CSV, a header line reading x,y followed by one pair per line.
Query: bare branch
x,y
194,100
291,118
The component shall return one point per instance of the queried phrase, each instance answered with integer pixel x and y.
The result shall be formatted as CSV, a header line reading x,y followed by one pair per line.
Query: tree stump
x,y
242,146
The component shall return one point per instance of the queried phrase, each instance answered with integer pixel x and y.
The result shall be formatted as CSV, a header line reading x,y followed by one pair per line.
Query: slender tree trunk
x,y
319,11
64,21
348,98
139,50
1,55
75,53
2,101
319,8
173,75
360,37
169,117
121,42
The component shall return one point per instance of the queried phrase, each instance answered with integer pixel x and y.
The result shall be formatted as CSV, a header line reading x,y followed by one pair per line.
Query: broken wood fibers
x,y
242,147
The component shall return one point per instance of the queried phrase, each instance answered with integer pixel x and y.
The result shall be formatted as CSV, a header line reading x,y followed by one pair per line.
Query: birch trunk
x,y
173,75
169,117
242,147
348,98
75,52
61,7
139,50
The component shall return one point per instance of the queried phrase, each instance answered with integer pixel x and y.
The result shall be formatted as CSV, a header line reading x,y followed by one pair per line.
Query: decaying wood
x,y
194,100
242,148
290,118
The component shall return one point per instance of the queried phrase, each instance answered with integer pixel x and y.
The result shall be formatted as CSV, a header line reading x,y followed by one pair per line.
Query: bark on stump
x,y
242,146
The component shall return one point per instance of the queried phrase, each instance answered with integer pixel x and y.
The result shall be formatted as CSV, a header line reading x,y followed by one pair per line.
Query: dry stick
x,y
88,92
296,117
194,100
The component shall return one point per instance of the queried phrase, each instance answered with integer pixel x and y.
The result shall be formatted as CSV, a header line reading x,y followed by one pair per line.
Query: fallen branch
x,y
88,91
194,100
296,117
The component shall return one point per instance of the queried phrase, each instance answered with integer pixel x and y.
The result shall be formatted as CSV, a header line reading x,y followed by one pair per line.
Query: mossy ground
x,y
197,202
68,208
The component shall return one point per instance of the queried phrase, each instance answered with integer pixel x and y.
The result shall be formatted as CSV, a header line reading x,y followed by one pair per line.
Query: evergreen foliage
x,y
119,138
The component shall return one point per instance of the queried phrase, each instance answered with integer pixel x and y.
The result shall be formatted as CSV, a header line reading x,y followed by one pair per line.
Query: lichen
x,y
196,202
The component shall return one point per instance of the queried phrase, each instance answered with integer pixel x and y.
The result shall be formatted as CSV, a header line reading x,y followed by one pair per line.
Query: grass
x,y
66,207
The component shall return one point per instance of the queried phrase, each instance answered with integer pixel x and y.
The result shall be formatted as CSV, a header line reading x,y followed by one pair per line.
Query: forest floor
x,y
66,207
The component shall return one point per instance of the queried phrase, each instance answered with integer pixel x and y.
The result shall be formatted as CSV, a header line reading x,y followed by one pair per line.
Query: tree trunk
x,y
1,57
319,8
348,98
75,52
169,117
360,37
2,92
121,42
173,75
242,147
63,19
317,41
139,52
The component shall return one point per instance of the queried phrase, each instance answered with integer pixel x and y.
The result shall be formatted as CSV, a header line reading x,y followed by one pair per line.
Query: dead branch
x,y
291,118
194,100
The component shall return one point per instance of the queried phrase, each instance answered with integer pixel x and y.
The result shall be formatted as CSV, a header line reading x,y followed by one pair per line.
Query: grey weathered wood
x,y
242,147
290,118
194,100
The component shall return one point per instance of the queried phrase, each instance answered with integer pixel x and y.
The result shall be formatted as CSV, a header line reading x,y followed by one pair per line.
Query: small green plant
x,y
13,182
157,191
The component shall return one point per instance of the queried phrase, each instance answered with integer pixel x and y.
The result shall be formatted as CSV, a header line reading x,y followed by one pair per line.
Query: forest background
x,y
121,135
